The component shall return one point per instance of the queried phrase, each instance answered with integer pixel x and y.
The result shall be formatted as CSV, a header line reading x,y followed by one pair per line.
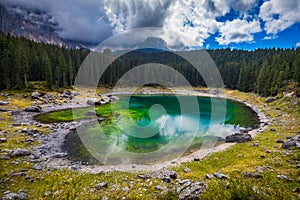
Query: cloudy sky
x,y
246,24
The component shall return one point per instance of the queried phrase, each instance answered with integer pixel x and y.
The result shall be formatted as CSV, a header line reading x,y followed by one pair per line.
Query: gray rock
x,y
283,177
131,183
59,155
4,157
125,189
33,109
186,170
238,137
158,187
3,103
37,167
185,182
252,175
66,94
2,140
4,94
191,191
263,168
36,95
101,185
94,102
20,152
220,176
161,174
47,193
296,190
15,112
166,179
209,176
15,196
292,142
196,159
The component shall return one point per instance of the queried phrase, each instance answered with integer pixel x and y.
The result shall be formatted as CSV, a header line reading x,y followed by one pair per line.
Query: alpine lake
x,y
143,129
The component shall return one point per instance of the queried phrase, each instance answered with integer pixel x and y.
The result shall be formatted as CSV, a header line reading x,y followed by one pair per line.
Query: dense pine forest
x,y
264,71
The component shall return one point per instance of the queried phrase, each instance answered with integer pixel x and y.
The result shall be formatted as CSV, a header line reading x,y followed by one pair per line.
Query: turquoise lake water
x,y
150,129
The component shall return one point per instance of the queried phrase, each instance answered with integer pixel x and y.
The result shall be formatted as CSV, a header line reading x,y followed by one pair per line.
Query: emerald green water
x,y
144,132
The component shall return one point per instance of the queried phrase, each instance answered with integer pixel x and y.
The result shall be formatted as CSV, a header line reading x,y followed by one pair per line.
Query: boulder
x,y
36,95
2,140
101,185
218,175
3,103
238,137
252,175
209,176
20,152
33,109
283,177
292,142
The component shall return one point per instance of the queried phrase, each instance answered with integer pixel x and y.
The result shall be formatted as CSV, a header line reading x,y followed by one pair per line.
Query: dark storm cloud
x,y
77,19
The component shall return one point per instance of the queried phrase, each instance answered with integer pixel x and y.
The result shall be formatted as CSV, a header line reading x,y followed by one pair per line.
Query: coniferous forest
x,y
264,71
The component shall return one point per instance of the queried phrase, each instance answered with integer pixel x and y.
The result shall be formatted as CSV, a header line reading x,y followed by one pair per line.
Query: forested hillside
x,y
23,60
264,71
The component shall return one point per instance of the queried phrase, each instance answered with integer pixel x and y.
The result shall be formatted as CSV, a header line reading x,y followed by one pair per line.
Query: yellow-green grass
x,y
68,184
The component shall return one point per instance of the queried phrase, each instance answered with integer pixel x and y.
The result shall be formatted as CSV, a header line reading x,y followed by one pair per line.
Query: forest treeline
x,y
264,71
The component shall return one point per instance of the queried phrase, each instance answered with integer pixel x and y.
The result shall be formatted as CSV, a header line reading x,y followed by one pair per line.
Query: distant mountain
x,y
34,25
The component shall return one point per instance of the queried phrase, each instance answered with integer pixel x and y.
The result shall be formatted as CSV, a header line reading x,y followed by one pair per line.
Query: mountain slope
x,y
34,25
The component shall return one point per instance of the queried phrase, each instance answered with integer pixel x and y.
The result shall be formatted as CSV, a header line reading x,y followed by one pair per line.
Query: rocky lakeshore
x,y
50,154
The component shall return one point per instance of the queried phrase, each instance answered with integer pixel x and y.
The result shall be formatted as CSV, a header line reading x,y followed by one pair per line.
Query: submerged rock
x,y
238,137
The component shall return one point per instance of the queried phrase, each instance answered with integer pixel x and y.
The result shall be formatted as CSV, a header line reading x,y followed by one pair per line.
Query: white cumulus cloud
x,y
237,31
278,15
